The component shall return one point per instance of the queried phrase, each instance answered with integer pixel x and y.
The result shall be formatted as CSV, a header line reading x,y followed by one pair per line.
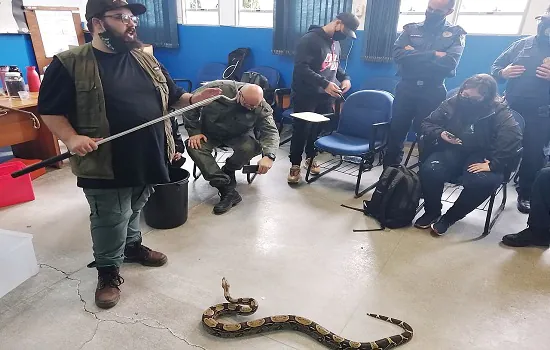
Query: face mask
x,y
470,106
434,18
116,43
339,36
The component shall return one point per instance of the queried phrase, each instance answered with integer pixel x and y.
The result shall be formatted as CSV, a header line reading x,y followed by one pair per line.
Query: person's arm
x,y
434,124
268,132
451,58
505,59
306,53
404,52
341,75
507,142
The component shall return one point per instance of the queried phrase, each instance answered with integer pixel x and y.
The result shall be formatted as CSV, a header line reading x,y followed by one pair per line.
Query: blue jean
x,y
451,165
114,221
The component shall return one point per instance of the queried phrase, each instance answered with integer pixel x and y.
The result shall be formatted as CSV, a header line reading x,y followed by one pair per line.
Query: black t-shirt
x,y
131,99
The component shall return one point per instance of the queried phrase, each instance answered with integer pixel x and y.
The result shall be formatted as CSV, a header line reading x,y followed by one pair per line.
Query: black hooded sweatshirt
x,y
316,64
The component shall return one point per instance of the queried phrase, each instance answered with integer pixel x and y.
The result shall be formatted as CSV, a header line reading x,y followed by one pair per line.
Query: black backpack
x,y
395,200
255,78
235,63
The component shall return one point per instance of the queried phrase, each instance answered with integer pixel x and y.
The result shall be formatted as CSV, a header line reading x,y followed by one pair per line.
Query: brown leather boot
x,y
138,253
107,293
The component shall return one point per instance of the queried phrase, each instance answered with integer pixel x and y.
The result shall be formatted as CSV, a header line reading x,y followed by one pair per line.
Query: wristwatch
x,y
270,156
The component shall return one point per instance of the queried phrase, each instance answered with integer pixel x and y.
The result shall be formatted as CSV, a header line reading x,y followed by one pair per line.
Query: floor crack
x,y
132,320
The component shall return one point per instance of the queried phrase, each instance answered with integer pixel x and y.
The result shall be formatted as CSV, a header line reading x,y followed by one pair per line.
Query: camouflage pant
x,y
244,149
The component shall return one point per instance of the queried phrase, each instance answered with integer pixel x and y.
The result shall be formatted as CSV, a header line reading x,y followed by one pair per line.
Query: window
x,y
411,11
202,12
492,16
256,13
475,16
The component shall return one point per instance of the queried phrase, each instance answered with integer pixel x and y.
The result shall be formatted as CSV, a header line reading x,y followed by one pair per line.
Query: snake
x,y
248,306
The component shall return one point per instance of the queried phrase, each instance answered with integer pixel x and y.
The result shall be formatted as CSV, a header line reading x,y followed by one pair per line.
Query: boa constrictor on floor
x,y
248,306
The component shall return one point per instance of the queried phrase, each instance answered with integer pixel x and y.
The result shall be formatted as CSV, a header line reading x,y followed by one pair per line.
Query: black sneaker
x,y
426,220
524,205
441,226
229,198
527,238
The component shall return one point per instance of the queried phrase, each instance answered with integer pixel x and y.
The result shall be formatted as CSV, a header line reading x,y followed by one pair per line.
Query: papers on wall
x,y
57,30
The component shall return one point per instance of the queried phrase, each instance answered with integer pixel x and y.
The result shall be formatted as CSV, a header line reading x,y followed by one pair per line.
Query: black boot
x,y
229,198
231,174
528,237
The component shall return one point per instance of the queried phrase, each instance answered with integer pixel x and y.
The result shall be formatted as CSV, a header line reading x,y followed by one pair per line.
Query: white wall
x,y
536,8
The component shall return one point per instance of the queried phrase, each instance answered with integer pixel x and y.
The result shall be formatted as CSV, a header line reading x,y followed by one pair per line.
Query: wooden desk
x,y
17,130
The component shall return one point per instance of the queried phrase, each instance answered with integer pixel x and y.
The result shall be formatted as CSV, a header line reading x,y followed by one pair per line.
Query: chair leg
x,y
366,164
491,220
316,177
410,153
250,177
196,172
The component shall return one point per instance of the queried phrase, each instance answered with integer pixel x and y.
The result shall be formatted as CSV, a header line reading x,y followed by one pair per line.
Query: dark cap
x,y
97,7
545,17
351,23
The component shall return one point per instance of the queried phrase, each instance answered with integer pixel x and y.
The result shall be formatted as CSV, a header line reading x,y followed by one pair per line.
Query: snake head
x,y
225,284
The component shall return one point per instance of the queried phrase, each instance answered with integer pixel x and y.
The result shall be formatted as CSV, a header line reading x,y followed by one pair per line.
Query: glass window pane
x,y
493,5
203,17
256,19
406,19
490,24
414,5
257,4
202,4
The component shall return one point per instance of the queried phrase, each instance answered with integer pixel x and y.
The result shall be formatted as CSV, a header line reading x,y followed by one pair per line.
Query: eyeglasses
x,y
245,104
124,18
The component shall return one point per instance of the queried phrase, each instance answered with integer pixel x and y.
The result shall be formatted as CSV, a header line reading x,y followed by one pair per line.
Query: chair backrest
x,y
381,83
211,71
519,118
272,75
362,109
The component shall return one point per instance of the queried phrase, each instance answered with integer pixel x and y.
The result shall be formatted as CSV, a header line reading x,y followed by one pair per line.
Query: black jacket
x,y
496,134
316,64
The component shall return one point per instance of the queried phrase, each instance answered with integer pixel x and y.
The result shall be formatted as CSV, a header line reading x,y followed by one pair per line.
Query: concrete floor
x,y
294,250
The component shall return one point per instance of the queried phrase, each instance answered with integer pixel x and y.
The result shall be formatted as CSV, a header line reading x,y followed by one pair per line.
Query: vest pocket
x,y
86,104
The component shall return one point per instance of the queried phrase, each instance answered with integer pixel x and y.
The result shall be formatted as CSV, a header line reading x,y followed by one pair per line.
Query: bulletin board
x,y
48,40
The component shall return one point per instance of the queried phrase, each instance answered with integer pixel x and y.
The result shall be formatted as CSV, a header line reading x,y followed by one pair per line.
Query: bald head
x,y
251,96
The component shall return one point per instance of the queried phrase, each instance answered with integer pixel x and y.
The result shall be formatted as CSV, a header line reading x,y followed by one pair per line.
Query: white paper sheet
x,y
310,117
57,30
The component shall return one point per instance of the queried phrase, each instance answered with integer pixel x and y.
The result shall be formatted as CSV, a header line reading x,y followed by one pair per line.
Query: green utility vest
x,y
90,118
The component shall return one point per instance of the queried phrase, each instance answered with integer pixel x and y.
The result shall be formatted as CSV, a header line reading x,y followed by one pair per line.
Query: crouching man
x,y
246,125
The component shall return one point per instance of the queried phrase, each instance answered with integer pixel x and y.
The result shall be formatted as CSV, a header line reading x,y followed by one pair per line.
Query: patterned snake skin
x,y
247,306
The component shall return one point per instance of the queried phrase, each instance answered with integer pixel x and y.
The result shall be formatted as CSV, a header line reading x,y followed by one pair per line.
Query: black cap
x,y
351,23
545,17
97,7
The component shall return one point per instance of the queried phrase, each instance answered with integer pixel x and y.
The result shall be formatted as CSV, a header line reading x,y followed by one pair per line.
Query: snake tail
x,y
248,306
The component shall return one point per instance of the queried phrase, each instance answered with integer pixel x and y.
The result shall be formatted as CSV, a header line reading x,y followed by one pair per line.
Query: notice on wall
x,y
57,30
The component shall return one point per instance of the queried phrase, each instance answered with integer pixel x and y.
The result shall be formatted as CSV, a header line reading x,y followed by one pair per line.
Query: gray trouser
x,y
244,149
114,221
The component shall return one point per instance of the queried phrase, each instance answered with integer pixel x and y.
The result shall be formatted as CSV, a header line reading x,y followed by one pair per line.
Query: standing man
x,y
525,66
426,54
99,89
246,125
315,83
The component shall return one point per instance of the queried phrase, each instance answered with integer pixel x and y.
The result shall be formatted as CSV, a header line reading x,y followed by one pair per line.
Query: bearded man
x,y
99,89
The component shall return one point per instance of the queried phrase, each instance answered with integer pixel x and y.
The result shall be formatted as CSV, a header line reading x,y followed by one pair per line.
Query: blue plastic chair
x,y
272,75
211,71
362,132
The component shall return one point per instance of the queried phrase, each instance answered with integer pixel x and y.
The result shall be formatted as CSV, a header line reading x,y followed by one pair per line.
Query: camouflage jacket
x,y
224,120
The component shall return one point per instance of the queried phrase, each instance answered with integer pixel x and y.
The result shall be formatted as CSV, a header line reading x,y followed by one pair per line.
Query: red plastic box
x,y
14,191
35,174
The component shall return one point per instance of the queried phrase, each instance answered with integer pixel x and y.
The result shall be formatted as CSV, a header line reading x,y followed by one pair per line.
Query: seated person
x,y
471,137
538,231
246,125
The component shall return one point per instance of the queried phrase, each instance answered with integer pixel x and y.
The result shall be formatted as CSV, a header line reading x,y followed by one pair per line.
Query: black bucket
x,y
168,207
